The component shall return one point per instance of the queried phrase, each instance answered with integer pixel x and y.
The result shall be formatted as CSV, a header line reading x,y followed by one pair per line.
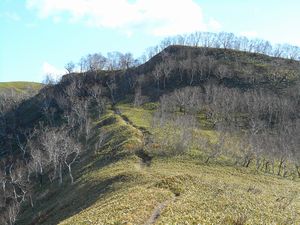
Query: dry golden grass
x,y
124,191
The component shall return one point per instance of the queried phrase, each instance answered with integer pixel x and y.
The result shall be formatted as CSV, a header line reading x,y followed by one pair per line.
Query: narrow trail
x,y
158,210
125,118
145,159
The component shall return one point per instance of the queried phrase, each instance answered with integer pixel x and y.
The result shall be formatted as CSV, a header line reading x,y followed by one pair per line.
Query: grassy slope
x,y
205,195
19,86
125,191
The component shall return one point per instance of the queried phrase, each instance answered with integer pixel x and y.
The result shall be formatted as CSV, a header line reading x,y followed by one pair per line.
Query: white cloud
x,y
56,19
31,25
11,16
214,25
249,34
156,17
52,71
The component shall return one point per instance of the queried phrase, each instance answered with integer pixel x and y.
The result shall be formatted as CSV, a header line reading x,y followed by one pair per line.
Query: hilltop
x,y
194,135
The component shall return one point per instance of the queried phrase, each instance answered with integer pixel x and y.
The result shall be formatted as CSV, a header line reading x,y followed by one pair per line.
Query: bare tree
x,y
113,60
167,67
83,64
71,152
137,96
226,40
215,149
49,80
126,60
70,66
96,61
229,41
61,150
158,74
191,67
40,159
95,92
112,86
184,99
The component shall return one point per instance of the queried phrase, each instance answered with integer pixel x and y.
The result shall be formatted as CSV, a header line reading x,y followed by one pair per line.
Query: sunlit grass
x,y
113,187
20,86
138,115
205,194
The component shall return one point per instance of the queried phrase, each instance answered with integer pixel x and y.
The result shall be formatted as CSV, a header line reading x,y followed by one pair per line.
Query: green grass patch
x,y
139,116
20,86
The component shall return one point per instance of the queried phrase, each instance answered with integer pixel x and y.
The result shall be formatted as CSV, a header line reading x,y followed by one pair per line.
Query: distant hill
x,y
20,86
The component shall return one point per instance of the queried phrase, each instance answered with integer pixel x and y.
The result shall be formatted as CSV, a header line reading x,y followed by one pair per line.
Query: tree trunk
x,y
258,163
31,201
60,174
284,170
207,160
3,187
298,170
70,173
273,166
280,167
192,79
41,179
267,166
248,163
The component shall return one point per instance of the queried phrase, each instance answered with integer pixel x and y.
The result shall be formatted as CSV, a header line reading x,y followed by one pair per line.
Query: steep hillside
x,y
116,183
193,136
183,65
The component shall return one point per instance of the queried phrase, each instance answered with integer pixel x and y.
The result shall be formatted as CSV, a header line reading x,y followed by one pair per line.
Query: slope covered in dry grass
x,y
114,185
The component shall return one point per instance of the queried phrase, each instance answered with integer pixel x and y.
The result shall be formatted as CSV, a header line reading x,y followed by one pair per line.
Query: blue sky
x,y
41,36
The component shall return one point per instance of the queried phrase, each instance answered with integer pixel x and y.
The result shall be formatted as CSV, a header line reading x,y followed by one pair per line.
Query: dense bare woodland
x,y
241,88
